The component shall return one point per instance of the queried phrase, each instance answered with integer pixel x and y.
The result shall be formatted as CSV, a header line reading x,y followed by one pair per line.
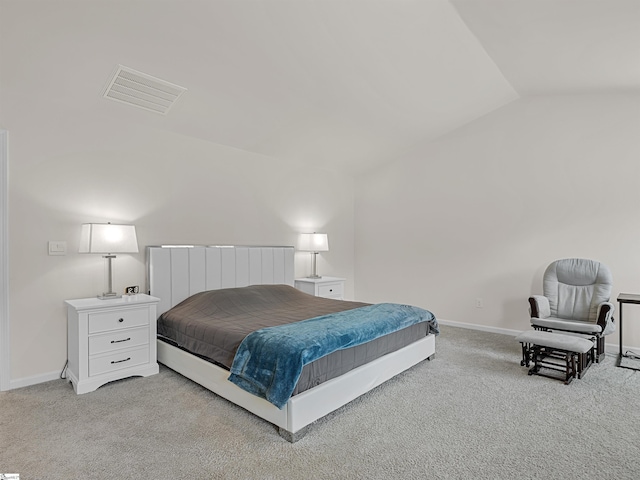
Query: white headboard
x,y
177,272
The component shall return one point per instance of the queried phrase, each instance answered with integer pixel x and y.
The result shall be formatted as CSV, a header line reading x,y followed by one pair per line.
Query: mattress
x,y
212,324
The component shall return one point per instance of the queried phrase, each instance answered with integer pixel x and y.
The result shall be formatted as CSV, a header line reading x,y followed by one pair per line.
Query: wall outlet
x,y
479,303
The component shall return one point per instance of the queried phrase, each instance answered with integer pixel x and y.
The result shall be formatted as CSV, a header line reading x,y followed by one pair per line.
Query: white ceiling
x,y
338,83
559,46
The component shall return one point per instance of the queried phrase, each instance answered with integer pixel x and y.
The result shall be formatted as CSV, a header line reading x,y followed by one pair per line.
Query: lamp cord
x,y
63,373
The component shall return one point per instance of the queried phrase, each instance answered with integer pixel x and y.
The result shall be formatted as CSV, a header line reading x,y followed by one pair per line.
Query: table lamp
x,y
108,238
314,243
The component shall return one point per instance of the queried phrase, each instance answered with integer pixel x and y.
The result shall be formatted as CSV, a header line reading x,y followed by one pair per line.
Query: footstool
x,y
568,354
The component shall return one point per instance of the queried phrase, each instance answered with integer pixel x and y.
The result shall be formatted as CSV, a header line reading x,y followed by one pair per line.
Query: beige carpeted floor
x,y
472,412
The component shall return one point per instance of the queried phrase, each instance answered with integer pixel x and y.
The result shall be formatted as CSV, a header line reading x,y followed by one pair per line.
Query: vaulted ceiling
x,y
342,83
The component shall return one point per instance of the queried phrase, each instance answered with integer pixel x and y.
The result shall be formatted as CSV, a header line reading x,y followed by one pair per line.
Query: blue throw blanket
x,y
269,361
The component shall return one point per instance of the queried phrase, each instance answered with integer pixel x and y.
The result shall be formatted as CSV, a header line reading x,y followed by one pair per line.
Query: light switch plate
x,y
57,247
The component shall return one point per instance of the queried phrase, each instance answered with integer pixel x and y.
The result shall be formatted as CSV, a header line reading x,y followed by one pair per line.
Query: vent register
x,y
143,91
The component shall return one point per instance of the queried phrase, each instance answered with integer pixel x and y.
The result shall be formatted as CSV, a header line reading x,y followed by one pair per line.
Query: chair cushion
x,y
575,287
555,323
556,340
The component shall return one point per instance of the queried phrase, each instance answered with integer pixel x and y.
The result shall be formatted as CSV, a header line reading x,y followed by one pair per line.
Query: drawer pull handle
x,y
119,341
331,289
120,361
121,320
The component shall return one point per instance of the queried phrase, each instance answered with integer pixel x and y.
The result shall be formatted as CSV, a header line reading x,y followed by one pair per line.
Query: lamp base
x,y
109,296
314,266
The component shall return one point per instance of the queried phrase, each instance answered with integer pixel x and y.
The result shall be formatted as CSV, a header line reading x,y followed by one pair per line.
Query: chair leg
x,y
599,349
526,357
570,370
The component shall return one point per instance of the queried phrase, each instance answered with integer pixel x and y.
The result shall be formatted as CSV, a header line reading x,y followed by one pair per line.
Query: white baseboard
x,y
612,348
484,328
33,380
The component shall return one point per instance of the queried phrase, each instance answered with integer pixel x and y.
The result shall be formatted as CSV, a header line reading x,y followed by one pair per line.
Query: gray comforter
x,y
212,325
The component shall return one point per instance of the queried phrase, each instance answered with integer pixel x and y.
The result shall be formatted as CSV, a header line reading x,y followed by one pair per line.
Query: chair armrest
x,y
605,317
539,306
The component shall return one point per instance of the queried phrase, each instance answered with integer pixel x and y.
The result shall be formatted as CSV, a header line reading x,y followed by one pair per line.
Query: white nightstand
x,y
110,339
328,287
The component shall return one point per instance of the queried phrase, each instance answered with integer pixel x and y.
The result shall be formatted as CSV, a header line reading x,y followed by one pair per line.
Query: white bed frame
x,y
177,272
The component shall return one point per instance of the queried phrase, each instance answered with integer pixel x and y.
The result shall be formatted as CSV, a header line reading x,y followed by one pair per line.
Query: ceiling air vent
x,y
142,90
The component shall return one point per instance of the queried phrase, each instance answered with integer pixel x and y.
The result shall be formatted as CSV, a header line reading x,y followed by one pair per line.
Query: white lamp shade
x,y
108,238
314,242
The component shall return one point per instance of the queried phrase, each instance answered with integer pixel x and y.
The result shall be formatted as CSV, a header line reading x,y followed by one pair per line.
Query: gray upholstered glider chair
x,y
576,299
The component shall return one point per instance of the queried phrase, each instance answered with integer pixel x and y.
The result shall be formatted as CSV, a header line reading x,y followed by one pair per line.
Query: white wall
x,y
175,189
482,211
476,214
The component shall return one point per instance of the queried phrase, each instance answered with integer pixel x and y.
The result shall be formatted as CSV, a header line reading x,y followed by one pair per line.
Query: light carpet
x,y
471,413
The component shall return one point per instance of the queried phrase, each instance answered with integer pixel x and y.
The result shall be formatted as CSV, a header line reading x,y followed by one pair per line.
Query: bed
x,y
196,276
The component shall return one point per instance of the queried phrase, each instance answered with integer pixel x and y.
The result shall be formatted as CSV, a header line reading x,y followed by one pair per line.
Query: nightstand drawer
x,y
119,360
327,287
116,319
119,339
331,290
